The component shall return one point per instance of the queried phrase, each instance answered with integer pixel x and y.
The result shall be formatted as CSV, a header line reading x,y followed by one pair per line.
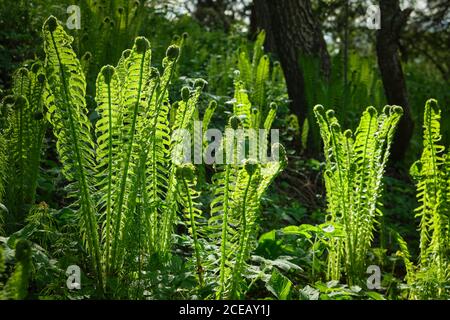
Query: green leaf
x,y
280,286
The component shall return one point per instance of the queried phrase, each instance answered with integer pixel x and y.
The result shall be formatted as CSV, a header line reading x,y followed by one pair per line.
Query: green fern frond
x,y
258,51
134,110
238,189
207,116
121,68
246,204
23,130
223,223
21,82
404,253
355,166
270,118
242,107
108,149
191,208
245,67
431,173
262,76
271,169
67,113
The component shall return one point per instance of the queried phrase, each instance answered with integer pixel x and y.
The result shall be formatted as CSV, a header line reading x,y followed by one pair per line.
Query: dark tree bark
x,y
292,31
393,19
212,13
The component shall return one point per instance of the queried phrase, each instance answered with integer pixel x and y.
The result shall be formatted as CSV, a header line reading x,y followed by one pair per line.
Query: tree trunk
x,y
292,31
211,13
393,19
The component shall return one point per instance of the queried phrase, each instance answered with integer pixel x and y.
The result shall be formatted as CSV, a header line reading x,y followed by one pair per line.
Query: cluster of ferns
x,y
124,183
129,193
355,164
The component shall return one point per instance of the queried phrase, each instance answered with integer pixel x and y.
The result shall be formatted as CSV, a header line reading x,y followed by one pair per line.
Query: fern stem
x,y
223,246
108,204
194,232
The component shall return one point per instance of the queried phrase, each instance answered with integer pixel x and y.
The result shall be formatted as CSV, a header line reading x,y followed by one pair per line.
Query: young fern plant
x,y
239,185
124,179
253,72
67,113
355,166
431,276
22,134
262,82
